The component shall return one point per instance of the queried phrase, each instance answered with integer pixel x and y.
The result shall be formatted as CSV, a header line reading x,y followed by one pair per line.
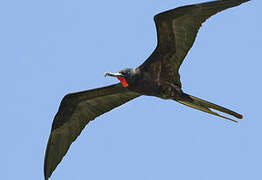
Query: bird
x,y
158,76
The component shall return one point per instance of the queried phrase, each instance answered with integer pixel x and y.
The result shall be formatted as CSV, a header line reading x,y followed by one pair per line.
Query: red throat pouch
x,y
123,81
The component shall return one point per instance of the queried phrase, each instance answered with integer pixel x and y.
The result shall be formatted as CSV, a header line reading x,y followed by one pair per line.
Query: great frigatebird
x,y
157,76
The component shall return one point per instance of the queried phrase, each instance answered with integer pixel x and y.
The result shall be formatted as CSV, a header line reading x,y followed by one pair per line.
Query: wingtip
x,y
45,175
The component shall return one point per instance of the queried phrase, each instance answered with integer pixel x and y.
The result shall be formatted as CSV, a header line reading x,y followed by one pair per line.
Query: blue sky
x,y
51,48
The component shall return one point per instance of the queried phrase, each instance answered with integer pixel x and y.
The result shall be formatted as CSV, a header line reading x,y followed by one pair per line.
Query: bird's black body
x,y
143,83
157,76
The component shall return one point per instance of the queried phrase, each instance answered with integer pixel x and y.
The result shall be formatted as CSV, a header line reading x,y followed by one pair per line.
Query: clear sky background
x,y
51,48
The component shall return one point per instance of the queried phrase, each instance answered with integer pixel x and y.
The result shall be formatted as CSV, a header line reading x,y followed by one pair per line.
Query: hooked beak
x,y
113,74
119,76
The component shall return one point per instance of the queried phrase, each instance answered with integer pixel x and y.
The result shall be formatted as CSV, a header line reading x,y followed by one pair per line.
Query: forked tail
x,y
207,107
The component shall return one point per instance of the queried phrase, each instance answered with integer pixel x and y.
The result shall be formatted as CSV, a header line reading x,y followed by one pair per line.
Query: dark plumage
x,y
157,76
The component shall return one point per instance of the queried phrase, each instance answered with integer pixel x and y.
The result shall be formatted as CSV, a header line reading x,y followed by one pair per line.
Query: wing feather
x,y
176,32
75,111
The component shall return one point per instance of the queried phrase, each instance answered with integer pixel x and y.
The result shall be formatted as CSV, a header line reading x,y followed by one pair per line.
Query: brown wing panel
x,y
177,30
74,113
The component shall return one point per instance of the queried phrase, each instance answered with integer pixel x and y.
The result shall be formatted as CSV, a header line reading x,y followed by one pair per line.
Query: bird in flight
x,y
157,76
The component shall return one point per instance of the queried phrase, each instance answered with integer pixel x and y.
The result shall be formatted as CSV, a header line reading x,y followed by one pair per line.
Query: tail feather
x,y
206,106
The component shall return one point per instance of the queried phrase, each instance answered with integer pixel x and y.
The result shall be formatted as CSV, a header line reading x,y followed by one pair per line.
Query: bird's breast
x,y
159,89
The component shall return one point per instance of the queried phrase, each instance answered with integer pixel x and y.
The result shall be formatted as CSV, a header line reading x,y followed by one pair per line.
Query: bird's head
x,y
125,76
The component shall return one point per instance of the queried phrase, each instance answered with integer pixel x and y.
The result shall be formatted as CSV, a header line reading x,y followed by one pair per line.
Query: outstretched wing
x,y
176,32
75,111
